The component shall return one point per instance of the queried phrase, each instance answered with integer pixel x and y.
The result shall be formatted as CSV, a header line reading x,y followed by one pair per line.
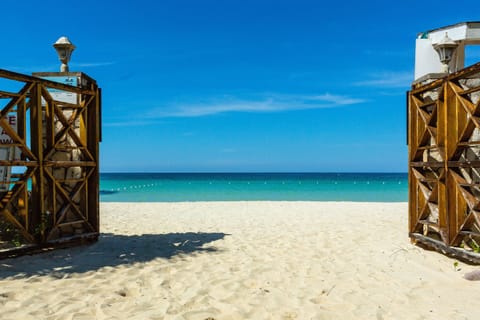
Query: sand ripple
x,y
242,260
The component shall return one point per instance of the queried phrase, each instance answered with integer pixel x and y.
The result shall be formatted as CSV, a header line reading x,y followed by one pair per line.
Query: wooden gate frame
x,y
444,164
45,210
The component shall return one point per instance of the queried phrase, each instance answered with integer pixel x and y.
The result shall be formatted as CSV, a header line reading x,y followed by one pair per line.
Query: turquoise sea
x,y
170,187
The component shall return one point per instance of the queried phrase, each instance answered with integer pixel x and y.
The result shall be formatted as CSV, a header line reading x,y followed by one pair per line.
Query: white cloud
x,y
388,80
336,100
55,67
273,103
130,123
92,64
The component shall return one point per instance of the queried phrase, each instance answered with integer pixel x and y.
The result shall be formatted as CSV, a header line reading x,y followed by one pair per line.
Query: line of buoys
x,y
142,186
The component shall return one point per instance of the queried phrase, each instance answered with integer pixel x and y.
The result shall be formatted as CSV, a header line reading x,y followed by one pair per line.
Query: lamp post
x,y
445,49
64,50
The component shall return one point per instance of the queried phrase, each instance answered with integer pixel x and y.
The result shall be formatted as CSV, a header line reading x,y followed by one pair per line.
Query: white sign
x,y
59,95
7,152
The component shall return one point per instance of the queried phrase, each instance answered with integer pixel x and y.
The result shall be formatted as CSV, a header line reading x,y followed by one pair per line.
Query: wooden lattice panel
x,y
444,163
427,158
53,195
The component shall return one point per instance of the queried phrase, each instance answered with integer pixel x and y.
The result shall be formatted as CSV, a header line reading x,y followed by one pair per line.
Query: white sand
x,y
242,260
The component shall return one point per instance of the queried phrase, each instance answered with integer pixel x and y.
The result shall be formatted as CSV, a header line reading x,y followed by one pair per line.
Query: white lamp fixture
x,y
445,49
64,50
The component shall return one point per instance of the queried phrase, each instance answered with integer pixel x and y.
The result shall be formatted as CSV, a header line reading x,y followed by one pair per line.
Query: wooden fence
x,y
444,164
50,184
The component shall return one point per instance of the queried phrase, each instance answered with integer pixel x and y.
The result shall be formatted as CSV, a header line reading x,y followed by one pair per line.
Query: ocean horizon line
x,y
255,172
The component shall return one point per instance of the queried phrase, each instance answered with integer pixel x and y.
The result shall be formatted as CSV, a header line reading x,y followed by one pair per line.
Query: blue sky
x,y
245,85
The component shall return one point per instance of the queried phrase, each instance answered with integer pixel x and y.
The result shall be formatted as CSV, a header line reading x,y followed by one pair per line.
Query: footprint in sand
x,y
4,296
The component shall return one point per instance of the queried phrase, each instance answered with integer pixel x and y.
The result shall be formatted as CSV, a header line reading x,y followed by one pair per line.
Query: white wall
x,y
427,59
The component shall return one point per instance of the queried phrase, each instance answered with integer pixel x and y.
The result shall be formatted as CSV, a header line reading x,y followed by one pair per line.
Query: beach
x,y
242,260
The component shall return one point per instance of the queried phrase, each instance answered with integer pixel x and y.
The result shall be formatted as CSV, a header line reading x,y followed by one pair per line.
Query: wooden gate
x,y
50,185
444,164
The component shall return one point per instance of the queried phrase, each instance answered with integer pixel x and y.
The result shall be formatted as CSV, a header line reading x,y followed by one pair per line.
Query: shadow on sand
x,y
111,250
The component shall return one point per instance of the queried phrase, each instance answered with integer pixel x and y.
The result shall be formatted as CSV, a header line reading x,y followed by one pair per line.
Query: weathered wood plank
x,y
50,84
21,96
6,94
471,90
464,164
69,164
465,72
427,164
38,183
457,253
427,87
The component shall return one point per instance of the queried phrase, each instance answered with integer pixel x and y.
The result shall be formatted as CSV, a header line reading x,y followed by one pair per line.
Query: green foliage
x,y
455,265
45,224
470,244
10,234
475,246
